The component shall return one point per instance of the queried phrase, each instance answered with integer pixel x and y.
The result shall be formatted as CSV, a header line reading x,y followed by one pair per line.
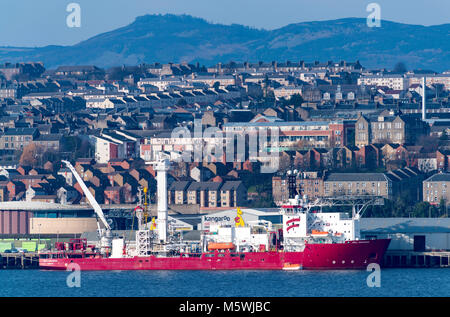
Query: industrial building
x,y
35,217
409,234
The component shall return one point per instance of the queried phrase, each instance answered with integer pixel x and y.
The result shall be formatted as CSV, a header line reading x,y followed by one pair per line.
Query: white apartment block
x,y
175,146
103,103
223,80
116,145
443,79
395,82
286,92
162,82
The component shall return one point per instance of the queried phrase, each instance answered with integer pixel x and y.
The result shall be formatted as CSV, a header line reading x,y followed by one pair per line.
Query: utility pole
x,y
424,98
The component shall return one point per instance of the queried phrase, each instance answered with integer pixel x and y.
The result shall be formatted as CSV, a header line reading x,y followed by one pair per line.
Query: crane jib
x,y
98,210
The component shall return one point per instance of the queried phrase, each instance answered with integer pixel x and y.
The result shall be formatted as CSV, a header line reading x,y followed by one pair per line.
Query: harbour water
x,y
393,283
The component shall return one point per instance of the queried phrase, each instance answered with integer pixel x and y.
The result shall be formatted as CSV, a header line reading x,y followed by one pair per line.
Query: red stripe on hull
x,y
349,255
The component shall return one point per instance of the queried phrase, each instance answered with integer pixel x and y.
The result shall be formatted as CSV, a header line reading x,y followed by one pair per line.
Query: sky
x,y
30,23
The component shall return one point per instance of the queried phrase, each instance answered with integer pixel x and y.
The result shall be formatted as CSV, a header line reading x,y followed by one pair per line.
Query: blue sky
x,y
43,22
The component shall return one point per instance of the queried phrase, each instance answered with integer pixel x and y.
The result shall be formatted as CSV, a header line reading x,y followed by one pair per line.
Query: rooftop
x,y
349,177
439,177
405,225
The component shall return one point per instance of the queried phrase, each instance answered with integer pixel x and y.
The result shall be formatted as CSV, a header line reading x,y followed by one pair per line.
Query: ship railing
x,y
215,255
68,254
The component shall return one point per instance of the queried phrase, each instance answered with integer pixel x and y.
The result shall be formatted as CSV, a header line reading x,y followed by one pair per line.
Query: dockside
x,y
19,260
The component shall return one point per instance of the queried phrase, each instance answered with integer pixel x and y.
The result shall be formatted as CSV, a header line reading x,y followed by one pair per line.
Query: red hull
x,y
349,255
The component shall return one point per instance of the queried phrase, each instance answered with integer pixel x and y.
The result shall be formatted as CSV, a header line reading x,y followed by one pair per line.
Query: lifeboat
x,y
291,267
220,246
319,233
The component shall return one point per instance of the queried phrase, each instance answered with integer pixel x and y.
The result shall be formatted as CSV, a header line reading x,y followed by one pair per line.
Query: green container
x,y
5,246
41,246
30,246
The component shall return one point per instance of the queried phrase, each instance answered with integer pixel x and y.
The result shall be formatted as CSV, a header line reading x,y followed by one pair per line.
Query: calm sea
x,y
394,282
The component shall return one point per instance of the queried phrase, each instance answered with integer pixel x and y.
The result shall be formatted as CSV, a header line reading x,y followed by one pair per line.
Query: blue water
x,y
394,282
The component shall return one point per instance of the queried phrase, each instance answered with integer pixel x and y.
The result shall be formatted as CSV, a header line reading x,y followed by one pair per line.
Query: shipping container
x,y
5,246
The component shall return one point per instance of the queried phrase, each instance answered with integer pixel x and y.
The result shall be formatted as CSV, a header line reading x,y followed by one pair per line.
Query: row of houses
x,y
118,182
402,82
19,138
370,156
115,182
208,194
162,99
322,184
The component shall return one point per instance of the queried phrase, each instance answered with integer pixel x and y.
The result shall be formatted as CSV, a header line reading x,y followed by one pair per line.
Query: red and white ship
x,y
307,239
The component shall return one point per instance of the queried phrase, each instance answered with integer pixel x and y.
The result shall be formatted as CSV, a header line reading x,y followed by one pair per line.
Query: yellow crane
x,y
239,220
145,205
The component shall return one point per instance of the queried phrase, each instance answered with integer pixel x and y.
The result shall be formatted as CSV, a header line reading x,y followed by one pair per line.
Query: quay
x,y
28,260
409,259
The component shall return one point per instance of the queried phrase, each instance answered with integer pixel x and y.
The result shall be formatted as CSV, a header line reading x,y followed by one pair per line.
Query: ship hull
x,y
349,255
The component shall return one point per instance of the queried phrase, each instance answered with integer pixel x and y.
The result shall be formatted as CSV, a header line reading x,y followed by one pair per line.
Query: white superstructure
x,y
302,222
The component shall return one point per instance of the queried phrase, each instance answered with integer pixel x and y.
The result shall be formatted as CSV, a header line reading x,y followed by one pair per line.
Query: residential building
x,y
397,82
115,144
233,194
437,187
357,184
18,138
389,128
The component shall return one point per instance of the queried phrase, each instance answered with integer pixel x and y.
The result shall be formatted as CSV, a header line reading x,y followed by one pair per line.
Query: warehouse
x,y
409,234
34,217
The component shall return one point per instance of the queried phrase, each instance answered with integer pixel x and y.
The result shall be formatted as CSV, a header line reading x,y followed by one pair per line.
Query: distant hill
x,y
176,38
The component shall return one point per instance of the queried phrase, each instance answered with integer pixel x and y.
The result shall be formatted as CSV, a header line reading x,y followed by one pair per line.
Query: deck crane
x,y
105,234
